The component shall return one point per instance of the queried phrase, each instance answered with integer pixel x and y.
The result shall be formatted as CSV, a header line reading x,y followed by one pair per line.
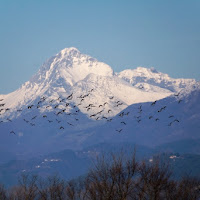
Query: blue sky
x,y
123,34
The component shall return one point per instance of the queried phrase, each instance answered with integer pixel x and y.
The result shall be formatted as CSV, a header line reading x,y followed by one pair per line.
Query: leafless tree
x,y
115,177
26,190
43,192
75,189
56,188
112,179
154,180
3,193
188,188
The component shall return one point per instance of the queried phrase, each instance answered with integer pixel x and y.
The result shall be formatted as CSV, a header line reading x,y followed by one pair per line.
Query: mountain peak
x,y
142,76
142,72
68,67
145,70
69,51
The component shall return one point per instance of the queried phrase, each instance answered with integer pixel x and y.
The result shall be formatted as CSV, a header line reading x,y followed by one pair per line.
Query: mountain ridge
x,y
70,66
151,76
60,73
60,108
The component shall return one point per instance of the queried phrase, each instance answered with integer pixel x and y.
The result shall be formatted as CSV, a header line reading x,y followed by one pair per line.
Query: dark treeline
x,y
112,178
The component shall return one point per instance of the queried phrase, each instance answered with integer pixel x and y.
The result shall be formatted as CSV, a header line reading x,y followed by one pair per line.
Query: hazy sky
x,y
124,34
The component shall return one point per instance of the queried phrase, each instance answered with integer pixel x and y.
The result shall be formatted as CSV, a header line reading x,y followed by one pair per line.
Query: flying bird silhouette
x,y
180,101
176,120
119,130
58,120
176,95
56,106
153,103
12,132
29,107
70,124
70,97
26,120
9,120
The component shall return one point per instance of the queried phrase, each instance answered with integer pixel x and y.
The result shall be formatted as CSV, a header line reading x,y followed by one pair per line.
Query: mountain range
x,y
74,101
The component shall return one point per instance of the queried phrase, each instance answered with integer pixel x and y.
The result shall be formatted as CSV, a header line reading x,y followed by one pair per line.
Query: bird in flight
x,y
29,107
141,87
58,120
56,106
9,120
180,101
176,95
70,124
70,97
153,103
119,130
12,132
176,120
26,120
121,114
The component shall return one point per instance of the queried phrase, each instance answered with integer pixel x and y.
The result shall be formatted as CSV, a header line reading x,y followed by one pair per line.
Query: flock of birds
x,y
150,117
65,106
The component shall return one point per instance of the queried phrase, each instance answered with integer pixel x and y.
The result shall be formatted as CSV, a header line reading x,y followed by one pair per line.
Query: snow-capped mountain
x,y
69,66
76,101
68,72
57,76
149,79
